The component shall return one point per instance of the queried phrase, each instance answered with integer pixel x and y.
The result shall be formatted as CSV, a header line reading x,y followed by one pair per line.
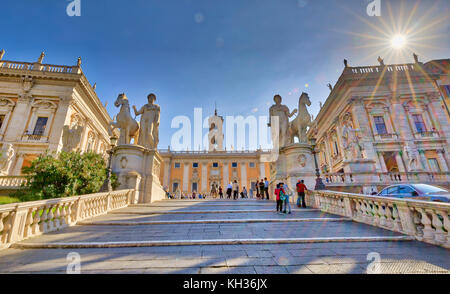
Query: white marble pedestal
x,y
295,162
139,168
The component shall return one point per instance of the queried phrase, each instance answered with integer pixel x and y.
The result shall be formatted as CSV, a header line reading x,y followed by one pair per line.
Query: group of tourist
x,y
283,193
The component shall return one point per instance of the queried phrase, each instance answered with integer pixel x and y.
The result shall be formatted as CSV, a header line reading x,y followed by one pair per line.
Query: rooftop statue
x,y
299,126
283,114
149,126
124,122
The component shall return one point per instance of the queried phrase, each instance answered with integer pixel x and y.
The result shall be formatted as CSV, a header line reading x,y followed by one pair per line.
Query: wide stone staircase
x,y
223,236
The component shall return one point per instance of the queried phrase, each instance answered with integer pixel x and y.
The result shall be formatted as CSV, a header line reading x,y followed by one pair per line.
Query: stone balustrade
x,y
7,182
19,221
342,179
425,221
15,65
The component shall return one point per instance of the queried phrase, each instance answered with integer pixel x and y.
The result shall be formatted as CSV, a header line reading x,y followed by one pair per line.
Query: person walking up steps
x,y
229,189
266,188
301,187
235,190
220,192
278,198
261,189
287,202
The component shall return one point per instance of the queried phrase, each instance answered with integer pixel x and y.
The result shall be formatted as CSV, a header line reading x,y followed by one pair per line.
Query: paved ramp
x,y
222,236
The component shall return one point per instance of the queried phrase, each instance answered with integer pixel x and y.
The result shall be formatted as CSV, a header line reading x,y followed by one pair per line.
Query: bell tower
x,y
215,135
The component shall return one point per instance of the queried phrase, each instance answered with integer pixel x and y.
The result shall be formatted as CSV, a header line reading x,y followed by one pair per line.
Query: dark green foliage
x,y
69,174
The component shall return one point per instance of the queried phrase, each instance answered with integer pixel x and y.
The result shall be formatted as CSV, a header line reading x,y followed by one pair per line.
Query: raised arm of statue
x,y
293,112
136,112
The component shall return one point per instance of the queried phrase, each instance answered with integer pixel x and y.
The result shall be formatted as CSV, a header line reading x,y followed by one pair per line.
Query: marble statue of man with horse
x,y
146,133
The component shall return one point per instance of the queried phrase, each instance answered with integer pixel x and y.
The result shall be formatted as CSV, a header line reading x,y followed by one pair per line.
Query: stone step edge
x,y
202,205
218,221
205,211
61,245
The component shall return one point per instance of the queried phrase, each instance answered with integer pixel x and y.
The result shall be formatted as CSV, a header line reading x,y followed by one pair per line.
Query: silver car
x,y
417,192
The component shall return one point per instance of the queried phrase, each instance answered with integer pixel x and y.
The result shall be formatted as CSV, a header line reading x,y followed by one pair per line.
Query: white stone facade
x,y
51,108
393,108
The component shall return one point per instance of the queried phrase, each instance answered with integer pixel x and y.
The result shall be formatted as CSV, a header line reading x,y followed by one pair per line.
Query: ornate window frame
x,y
380,108
40,108
420,107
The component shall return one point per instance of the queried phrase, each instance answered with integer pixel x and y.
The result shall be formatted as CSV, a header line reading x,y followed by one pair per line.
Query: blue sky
x,y
237,53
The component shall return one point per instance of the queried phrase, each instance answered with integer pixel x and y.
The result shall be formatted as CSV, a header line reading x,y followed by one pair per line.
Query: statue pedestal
x,y
295,162
139,168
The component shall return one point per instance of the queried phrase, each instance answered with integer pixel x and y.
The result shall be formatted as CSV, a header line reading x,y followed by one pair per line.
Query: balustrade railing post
x,y
108,202
17,223
407,220
348,207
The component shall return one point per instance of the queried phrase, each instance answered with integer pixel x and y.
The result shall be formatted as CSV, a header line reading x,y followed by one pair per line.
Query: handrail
x,y
425,221
19,221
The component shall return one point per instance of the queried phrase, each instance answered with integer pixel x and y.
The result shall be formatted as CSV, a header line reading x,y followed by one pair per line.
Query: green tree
x,y
68,174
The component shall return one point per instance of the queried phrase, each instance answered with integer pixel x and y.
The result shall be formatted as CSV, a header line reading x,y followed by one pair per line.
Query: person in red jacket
x,y
301,187
279,201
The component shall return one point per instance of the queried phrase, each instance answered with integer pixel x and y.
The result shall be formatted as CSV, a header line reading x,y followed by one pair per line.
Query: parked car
x,y
417,192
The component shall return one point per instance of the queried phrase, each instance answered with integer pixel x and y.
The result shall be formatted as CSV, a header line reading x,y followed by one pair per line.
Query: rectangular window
x,y
234,164
336,149
40,126
434,165
251,164
177,165
419,123
215,164
380,125
195,164
2,119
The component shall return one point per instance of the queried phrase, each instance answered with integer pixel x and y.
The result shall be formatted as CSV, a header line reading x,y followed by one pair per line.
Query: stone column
x,y
442,161
439,116
18,166
19,118
262,170
399,159
244,175
361,119
401,120
59,119
382,162
166,179
204,176
226,178
185,176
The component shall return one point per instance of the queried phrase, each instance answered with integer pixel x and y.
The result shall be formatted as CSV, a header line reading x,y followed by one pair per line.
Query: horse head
x,y
304,100
121,99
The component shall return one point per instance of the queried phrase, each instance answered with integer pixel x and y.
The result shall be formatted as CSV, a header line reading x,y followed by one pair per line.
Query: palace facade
x,y
400,114
198,171
45,107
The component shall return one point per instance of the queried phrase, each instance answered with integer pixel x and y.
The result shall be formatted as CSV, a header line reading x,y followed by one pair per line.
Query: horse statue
x,y
129,128
299,126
